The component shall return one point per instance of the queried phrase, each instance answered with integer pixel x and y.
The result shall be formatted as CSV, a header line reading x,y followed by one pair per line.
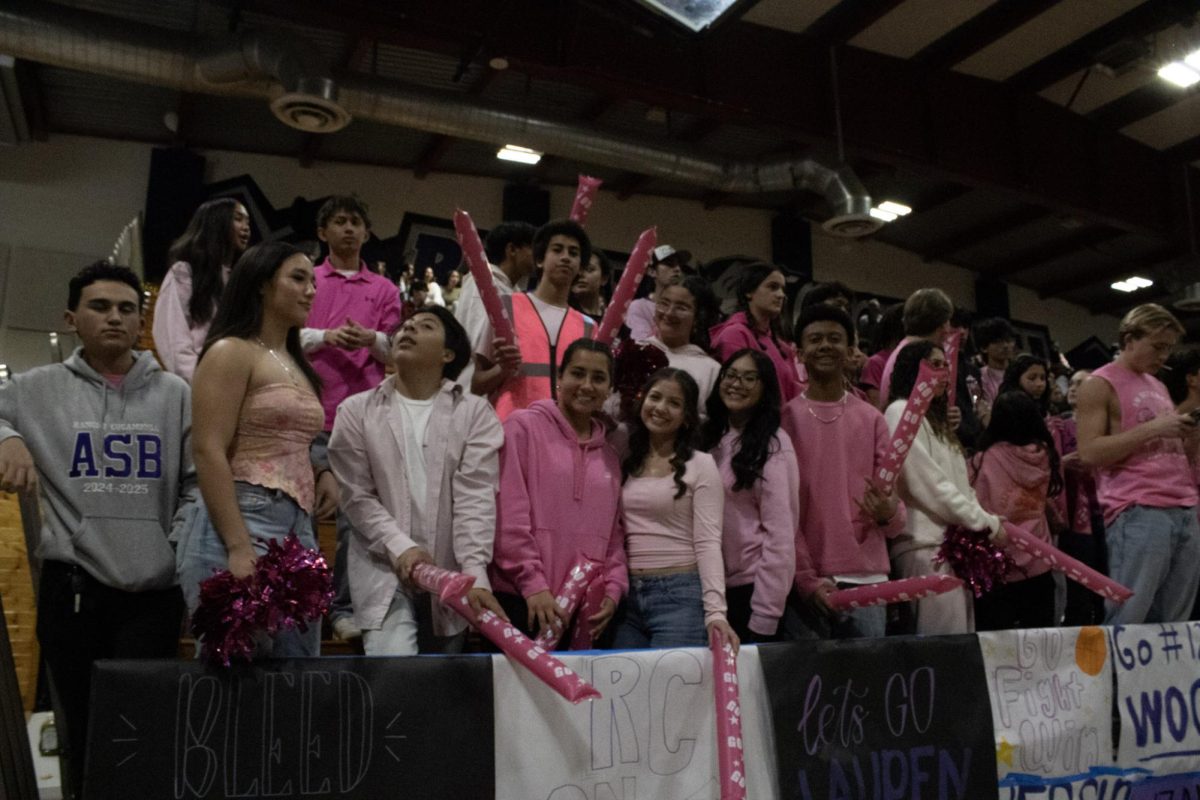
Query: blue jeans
x,y
662,611
1156,553
270,515
801,621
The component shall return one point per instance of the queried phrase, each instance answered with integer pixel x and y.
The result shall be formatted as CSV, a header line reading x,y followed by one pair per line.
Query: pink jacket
x,y
758,539
559,497
367,453
178,342
736,332
1011,482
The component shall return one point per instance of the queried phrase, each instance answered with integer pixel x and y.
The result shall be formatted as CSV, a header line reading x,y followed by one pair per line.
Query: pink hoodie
x,y
1011,481
559,497
736,332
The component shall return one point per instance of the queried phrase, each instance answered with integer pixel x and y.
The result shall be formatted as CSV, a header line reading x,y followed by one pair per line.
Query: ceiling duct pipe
x,y
89,42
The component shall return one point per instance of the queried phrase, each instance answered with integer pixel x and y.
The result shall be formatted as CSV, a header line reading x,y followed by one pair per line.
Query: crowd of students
x,y
722,472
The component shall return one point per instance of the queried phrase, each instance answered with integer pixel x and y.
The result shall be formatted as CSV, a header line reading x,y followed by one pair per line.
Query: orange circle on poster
x,y
1091,650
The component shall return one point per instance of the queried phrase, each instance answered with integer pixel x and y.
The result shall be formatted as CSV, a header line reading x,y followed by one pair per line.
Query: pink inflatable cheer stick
x,y
631,278
585,195
568,598
468,240
731,761
922,394
1059,561
581,636
950,348
514,644
880,594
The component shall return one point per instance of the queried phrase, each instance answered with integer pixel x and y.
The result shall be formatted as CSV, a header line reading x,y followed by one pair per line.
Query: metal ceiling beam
x,y
1150,17
1115,271
1050,252
994,22
1138,104
980,232
848,19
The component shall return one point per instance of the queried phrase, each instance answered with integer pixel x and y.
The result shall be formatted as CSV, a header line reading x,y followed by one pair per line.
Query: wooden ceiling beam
x,y
981,232
1052,251
989,25
847,19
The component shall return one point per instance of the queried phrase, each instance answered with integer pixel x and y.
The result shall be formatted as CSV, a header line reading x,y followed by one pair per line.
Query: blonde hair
x,y
1145,320
926,310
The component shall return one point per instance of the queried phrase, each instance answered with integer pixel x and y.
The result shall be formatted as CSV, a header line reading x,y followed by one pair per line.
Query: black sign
x,y
329,727
884,719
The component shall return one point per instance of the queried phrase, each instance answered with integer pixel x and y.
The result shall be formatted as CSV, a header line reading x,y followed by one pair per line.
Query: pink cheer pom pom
x,y
731,759
888,592
974,558
1059,561
296,585
227,620
585,196
631,278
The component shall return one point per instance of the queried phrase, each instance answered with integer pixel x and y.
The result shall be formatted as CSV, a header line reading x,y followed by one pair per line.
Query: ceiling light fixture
x,y
886,216
522,155
892,207
1132,284
1180,74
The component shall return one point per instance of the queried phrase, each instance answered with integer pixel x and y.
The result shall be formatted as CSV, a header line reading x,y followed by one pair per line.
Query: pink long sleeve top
x,y
176,340
664,531
1011,482
839,447
759,533
737,332
559,498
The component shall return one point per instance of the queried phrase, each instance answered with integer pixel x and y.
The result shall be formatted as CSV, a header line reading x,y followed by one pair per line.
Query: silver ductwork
x,y
303,95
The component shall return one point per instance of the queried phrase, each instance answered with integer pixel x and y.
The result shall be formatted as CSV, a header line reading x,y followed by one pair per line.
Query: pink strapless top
x,y
270,447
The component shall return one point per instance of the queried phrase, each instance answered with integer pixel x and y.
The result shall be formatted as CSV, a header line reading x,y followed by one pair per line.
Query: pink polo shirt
x,y
370,300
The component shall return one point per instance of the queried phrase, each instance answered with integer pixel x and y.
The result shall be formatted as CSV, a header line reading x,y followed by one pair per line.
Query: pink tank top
x,y
270,448
1157,474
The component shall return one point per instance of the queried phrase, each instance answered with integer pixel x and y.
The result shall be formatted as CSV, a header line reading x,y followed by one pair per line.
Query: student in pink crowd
x,y
1027,373
761,297
666,268
187,300
591,285
543,322
560,491
887,338
256,411
673,505
762,494
417,458
845,520
936,489
1015,473
682,317
1131,433
927,316
994,339
346,339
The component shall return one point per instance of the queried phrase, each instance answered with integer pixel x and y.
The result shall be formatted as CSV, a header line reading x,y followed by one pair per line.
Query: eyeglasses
x,y
746,379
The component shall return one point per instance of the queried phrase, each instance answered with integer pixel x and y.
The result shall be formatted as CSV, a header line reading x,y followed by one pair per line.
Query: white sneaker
x,y
345,629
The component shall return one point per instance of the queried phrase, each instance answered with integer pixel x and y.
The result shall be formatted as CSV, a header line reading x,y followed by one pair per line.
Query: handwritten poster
x,y
1158,699
653,735
1051,696
881,719
328,727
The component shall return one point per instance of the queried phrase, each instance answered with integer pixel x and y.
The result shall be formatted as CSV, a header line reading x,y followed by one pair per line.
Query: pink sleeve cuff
x,y
763,626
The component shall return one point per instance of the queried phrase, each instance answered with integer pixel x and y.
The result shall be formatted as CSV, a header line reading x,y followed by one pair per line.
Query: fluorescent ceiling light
x,y
1133,284
522,155
1180,74
1193,60
899,209
879,213
694,15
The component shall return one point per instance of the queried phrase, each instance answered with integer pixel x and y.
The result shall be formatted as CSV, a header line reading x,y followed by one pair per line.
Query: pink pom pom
x,y
974,558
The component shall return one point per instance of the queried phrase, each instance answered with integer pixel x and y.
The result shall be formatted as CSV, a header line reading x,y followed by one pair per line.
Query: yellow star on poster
x,y
1004,752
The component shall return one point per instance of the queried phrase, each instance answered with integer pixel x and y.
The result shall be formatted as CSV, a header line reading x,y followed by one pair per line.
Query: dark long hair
x,y
207,247
1017,419
758,438
753,275
685,437
706,309
904,378
240,312
1012,378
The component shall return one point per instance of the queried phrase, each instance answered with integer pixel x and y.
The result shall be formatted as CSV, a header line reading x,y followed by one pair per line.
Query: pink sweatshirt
x,y
759,534
178,342
559,497
736,333
663,531
1011,481
838,448
370,300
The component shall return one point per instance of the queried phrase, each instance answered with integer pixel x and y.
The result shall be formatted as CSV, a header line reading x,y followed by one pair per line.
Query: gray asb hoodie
x,y
114,464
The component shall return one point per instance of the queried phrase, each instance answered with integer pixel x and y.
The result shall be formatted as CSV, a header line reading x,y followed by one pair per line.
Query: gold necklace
x,y
818,417
291,375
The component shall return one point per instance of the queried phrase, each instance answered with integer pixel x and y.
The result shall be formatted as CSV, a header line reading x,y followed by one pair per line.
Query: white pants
x,y
401,634
952,612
